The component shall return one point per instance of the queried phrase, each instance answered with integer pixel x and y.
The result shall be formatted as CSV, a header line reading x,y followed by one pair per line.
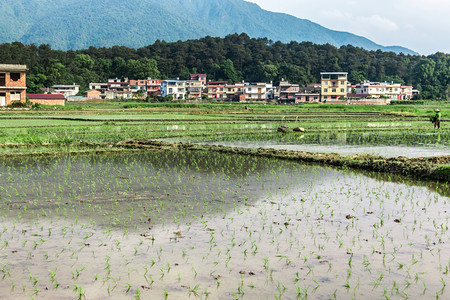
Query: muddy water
x,y
232,227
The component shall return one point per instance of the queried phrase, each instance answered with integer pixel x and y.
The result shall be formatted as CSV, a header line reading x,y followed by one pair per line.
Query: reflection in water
x,y
198,224
387,144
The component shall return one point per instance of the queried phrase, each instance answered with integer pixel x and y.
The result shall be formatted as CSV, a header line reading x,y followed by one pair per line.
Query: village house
x,y
98,86
286,90
47,99
174,87
101,87
138,86
194,89
119,85
216,90
66,90
112,94
333,85
389,90
259,91
153,87
235,92
13,86
93,94
199,77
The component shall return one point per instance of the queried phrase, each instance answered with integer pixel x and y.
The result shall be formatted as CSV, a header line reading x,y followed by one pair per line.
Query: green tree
x,y
142,68
228,72
84,61
118,67
35,83
268,71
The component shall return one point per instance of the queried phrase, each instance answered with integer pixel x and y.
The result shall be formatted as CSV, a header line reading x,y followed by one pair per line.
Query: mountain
x,y
80,24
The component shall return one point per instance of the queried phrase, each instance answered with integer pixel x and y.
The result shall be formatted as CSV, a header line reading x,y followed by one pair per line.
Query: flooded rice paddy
x,y
387,144
180,225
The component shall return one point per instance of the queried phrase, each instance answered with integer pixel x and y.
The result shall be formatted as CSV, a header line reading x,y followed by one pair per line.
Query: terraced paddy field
x,y
191,202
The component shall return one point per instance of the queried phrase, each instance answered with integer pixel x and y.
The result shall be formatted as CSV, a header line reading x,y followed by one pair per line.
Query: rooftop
x,y
65,86
333,73
46,96
17,68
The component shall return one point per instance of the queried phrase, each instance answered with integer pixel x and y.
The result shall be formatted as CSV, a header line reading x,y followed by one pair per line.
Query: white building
x,y
118,95
98,86
390,90
258,91
66,90
174,87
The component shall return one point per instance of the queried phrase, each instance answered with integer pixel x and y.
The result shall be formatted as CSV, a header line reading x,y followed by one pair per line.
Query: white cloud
x,y
420,25
348,22
380,23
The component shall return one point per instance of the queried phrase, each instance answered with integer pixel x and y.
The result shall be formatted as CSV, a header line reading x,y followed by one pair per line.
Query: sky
x,y
420,25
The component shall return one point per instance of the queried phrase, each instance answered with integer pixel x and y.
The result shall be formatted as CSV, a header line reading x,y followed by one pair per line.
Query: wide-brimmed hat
x,y
437,110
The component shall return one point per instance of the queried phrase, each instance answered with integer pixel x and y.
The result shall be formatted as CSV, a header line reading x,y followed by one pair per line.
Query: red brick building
x,y
13,83
93,94
47,99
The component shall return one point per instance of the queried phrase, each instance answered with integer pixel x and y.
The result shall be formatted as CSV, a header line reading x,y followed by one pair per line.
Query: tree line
x,y
233,58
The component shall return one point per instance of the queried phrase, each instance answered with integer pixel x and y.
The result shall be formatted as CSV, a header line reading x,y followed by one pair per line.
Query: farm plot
x,y
180,224
383,143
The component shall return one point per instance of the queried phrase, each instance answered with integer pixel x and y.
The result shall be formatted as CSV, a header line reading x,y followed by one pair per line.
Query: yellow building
x,y
334,85
194,89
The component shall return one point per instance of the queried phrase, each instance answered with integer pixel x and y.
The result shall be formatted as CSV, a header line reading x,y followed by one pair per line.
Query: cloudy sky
x,y
421,25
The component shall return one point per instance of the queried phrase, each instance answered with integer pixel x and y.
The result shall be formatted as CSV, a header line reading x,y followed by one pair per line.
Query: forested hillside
x,y
233,58
80,24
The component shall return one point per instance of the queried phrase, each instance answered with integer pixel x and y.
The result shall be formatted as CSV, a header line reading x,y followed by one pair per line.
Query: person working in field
x,y
437,119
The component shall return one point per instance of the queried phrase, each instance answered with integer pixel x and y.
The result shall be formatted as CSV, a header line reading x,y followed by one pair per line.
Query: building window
x,y
15,96
15,76
2,79
333,90
325,90
342,82
342,90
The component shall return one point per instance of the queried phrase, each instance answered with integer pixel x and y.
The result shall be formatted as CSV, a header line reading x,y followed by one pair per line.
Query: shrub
x,y
17,104
36,106
407,102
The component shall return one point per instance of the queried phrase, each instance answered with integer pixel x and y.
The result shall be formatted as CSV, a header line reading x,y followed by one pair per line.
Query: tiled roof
x,y
46,96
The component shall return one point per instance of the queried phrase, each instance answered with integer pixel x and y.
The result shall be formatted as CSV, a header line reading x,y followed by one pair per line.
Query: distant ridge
x,y
80,24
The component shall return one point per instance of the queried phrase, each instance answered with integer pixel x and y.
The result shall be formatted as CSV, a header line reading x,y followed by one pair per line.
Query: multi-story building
x,y
217,90
235,92
194,89
153,87
406,92
101,87
13,83
199,77
389,90
174,87
286,90
138,86
98,86
119,85
66,90
333,85
260,91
